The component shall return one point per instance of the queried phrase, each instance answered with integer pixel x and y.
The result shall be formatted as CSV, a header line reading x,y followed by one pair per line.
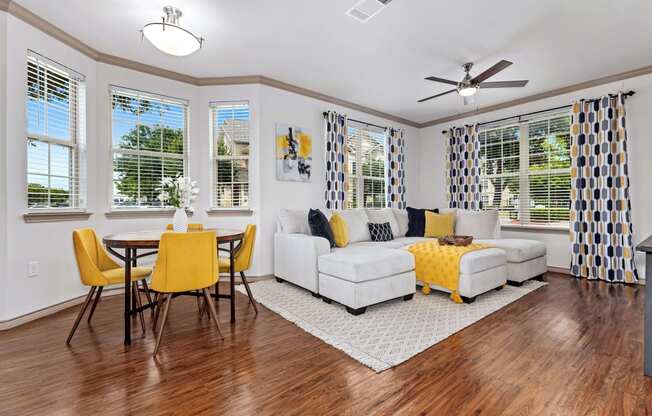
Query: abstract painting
x,y
293,153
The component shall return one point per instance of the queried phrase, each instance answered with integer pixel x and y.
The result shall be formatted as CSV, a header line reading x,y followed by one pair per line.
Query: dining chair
x,y
191,227
242,260
185,262
97,270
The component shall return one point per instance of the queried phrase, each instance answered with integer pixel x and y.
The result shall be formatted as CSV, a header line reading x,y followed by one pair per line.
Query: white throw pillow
x,y
383,215
480,224
356,222
294,221
402,221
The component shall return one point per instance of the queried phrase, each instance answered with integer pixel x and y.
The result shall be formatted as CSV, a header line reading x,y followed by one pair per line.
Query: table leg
x,y
232,277
128,295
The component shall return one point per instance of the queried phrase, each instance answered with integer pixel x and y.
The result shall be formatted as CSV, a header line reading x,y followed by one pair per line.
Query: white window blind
x,y
525,170
55,109
230,141
366,166
149,143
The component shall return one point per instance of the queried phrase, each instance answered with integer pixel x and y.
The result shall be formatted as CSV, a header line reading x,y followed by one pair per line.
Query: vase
x,y
180,220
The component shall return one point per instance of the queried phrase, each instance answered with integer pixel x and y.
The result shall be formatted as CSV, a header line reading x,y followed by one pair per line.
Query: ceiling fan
x,y
468,86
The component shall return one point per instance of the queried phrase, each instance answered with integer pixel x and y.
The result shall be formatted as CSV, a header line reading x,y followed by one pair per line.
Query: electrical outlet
x,y
32,269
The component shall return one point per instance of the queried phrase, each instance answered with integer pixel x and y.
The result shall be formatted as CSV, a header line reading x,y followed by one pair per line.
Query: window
x,y
525,170
148,135
55,111
366,166
230,142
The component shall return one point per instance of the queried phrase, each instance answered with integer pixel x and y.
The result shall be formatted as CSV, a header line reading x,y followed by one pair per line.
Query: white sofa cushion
x,y
361,264
402,221
479,224
356,222
518,250
383,215
294,221
479,260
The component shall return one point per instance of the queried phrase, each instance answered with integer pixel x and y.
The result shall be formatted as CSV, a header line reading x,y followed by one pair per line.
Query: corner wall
x,y
639,122
3,164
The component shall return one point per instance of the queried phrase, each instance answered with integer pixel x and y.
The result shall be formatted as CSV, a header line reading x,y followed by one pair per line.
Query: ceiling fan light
x,y
169,37
467,91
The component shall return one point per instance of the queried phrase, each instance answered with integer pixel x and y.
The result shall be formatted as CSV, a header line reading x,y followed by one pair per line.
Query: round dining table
x,y
131,242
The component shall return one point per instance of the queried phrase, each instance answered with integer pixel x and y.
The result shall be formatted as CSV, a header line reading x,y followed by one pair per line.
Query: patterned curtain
x,y
335,132
463,166
395,168
600,222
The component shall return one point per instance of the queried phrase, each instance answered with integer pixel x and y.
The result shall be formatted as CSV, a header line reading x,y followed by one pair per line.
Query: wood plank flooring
x,y
571,348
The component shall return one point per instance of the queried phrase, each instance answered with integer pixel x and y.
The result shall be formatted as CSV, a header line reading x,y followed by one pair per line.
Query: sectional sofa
x,y
366,272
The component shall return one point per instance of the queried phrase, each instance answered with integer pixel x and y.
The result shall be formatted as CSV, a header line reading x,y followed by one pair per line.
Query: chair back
x,y
186,261
91,257
246,251
191,227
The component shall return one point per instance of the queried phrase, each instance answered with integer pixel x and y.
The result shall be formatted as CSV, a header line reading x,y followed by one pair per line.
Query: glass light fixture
x,y
468,90
169,37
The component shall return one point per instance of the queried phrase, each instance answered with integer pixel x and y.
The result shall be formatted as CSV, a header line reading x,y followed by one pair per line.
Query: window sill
x,y
229,211
142,212
532,227
56,216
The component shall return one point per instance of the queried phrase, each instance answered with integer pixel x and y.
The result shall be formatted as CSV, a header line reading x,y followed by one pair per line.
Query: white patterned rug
x,y
389,333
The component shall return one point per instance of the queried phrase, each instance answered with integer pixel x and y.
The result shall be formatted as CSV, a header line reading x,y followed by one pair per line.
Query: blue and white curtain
x,y
600,219
395,168
335,133
463,168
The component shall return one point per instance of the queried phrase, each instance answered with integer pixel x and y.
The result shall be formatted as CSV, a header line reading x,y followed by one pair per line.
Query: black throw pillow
x,y
380,232
319,226
417,221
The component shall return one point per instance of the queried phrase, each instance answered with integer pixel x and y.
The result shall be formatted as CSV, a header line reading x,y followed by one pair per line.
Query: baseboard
x,y
50,310
560,270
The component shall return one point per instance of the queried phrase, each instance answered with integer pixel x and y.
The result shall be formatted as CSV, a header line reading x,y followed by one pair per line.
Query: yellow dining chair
x,y
185,262
191,227
97,269
242,260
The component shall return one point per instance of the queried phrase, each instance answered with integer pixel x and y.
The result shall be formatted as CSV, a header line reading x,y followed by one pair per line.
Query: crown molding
x,y
43,25
547,94
48,28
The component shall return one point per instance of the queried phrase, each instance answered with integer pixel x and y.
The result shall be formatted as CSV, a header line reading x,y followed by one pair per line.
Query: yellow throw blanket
x,y
441,265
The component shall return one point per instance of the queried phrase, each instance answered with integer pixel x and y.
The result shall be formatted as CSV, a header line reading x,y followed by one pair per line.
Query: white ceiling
x,y
380,64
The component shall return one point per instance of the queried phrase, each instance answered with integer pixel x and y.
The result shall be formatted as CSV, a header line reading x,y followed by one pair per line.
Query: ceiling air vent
x,y
366,9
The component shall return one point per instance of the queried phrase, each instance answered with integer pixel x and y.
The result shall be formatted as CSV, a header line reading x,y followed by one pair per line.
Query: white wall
x,y
3,164
50,243
639,122
278,106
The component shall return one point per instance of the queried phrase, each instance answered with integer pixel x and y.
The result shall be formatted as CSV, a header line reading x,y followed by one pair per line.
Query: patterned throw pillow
x,y
380,232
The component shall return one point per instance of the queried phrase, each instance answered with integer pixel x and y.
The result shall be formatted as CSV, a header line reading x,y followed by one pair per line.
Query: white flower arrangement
x,y
178,192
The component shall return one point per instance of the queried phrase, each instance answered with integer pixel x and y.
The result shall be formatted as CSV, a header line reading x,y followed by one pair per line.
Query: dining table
x,y
149,240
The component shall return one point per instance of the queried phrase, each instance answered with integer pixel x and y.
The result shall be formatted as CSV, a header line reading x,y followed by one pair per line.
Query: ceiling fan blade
x,y
492,71
438,95
504,84
445,81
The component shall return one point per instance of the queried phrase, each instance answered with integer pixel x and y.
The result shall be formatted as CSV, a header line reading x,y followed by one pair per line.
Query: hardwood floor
x,y
572,347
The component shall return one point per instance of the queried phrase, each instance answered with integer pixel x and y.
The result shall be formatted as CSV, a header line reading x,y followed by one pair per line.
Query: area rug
x,y
389,333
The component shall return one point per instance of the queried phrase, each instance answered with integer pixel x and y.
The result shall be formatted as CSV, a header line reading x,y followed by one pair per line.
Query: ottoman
x,y
357,277
526,259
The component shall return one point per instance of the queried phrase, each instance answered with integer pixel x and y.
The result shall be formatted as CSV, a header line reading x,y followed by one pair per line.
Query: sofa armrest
x,y
295,258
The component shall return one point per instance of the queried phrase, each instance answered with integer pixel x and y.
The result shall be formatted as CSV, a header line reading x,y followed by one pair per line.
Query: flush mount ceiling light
x,y
169,37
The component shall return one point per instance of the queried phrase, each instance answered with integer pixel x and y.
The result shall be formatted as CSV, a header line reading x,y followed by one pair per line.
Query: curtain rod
x,y
361,122
626,94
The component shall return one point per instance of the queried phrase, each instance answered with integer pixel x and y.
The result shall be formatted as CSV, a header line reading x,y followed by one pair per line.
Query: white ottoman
x,y
358,277
480,272
526,259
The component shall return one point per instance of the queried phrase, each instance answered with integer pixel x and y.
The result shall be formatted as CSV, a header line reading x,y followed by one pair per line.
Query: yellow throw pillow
x,y
439,225
340,230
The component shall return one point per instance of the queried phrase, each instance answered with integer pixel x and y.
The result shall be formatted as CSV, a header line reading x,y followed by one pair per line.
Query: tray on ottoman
x,y
456,240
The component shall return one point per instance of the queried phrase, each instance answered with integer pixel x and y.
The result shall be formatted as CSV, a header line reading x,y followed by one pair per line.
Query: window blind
x,y
55,110
365,166
149,143
231,144
525,170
